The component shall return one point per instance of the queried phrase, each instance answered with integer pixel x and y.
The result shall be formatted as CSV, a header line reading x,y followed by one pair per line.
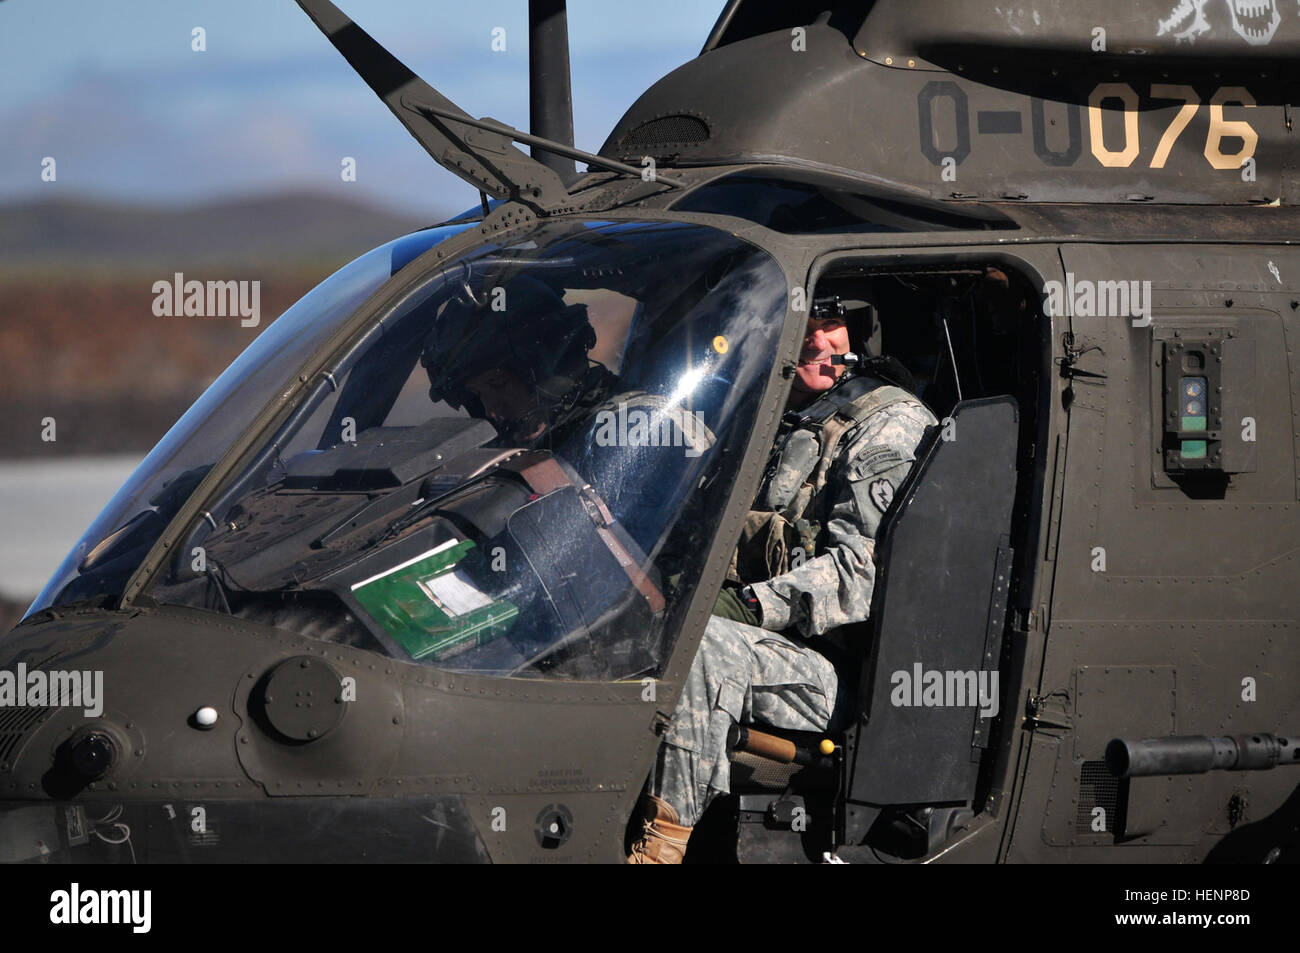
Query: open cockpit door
x,y
929,689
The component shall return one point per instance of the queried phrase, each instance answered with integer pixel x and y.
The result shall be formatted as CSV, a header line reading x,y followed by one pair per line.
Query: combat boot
x,y
663,840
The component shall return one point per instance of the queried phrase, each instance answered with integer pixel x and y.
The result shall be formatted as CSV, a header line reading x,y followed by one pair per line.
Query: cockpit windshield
x,y
515,470
109,552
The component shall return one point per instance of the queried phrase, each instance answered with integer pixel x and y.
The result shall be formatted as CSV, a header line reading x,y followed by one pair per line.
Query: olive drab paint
x,y
1105,536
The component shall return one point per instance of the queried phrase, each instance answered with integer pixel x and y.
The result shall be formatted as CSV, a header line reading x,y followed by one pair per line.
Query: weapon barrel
x,y
1197,754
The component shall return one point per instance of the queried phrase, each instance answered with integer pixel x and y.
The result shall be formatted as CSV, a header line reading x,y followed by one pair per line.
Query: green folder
x,y
430,608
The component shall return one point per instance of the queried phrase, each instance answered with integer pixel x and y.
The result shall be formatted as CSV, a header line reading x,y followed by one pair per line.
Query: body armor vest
x,y
785,526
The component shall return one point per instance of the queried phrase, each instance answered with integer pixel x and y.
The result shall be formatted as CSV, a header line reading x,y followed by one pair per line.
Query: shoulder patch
x,y
882,493
875,459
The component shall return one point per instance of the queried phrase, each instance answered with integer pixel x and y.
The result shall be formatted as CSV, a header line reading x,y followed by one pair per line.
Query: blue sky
x,y
112,90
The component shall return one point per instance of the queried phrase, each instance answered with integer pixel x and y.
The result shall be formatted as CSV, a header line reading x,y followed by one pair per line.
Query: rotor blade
x,y
486,160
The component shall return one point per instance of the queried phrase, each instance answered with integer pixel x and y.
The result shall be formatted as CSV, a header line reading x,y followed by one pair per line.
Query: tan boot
x,y
663,840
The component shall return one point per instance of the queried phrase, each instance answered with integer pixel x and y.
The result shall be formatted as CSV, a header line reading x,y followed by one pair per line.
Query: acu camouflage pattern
x,y
831,480
744,673
741,674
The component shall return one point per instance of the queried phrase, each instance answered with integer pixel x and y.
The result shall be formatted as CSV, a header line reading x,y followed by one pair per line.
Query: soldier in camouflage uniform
x,y
807,553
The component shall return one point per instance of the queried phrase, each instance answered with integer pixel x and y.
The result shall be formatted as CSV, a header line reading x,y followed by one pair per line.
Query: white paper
x,y
455,594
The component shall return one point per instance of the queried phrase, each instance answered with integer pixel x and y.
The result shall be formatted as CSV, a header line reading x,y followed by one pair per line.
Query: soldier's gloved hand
x,y
737,605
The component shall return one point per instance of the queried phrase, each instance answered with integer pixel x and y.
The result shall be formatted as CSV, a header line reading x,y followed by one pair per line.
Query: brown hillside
x,y
89,352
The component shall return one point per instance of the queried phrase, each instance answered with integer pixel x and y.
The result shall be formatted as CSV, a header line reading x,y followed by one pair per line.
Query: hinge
x,y
1072,353
1047,711
659,725
993,633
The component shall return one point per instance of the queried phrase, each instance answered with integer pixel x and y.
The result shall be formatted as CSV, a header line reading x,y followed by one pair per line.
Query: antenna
x,y
953,357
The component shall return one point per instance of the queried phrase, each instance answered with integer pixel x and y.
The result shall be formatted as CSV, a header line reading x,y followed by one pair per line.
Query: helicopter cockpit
x,y
513,467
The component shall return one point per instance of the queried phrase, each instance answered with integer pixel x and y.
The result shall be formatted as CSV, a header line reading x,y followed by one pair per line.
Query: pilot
x,y
804,568
524,368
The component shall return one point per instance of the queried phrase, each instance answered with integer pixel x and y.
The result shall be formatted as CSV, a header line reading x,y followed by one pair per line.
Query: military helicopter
x,y
357,605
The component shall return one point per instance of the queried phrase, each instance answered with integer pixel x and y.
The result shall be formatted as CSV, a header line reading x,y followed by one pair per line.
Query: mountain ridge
x,y
284,226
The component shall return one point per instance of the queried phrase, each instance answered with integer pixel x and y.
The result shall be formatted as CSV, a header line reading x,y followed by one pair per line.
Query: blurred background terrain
x,y
80,342
79,337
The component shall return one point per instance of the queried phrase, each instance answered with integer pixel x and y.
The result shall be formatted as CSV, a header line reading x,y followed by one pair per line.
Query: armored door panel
x,y
940,598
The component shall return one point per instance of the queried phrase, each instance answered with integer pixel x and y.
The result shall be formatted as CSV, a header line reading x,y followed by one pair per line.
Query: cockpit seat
x,y
642,452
